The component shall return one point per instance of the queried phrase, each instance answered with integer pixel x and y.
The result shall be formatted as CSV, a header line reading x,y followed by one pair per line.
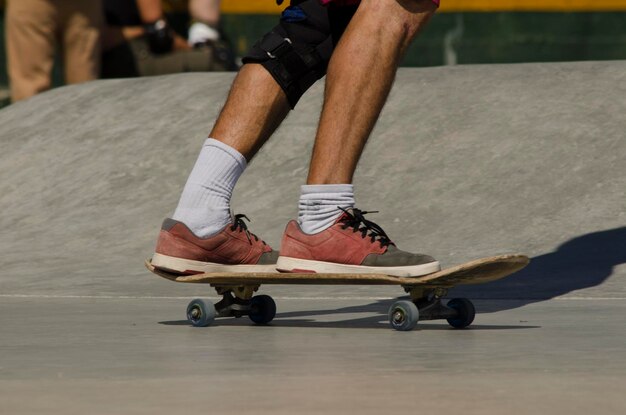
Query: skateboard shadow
x,y
583,262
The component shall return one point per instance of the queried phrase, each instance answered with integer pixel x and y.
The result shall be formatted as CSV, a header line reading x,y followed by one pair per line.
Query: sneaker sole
x,y
189,266
288,264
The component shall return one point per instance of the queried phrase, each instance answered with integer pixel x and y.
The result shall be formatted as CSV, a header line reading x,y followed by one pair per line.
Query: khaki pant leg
x,y
82,25
30,39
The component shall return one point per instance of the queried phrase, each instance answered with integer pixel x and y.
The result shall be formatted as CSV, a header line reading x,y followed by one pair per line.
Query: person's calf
x,y
255,107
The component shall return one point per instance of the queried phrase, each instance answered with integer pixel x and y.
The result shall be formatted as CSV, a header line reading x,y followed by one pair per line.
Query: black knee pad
x,y
297,51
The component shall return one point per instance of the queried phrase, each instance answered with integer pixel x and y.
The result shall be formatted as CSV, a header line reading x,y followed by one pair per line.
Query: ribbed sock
x,y
319,205
201,32
204,205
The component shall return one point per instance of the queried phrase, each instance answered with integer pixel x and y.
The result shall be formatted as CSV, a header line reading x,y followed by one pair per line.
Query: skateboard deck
x,y
474,272
426,291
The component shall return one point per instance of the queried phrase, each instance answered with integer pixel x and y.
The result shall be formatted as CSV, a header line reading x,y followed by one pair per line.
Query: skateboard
x,y
426,292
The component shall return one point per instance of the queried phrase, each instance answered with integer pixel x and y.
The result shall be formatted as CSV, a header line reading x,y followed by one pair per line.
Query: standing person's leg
x,y
82,27
30,36
360,76
202,235
330,235
206,21
255,107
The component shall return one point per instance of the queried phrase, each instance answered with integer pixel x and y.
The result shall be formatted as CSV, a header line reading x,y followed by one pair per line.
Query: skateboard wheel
x,y
403,315
466,312
262,309
200,313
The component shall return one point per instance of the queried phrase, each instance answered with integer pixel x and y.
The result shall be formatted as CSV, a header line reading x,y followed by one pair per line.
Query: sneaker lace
x,y
239,224
355,219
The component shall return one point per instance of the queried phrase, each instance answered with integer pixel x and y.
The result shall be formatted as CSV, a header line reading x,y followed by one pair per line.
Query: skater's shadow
x,y
583,262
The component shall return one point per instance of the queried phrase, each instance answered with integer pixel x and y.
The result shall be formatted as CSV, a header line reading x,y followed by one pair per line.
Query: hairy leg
x,y
360,76
207,11
254,109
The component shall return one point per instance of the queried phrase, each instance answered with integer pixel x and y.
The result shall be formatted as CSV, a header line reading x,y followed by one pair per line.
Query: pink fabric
x,y
351,2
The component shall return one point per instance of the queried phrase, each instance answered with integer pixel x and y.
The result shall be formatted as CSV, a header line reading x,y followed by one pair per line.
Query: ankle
x,y
320,205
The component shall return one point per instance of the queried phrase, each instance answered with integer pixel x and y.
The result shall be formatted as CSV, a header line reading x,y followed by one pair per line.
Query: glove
x,y
160,37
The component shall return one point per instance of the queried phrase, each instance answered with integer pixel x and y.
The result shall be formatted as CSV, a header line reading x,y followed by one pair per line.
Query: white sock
x,y
319,205
204,205
201,33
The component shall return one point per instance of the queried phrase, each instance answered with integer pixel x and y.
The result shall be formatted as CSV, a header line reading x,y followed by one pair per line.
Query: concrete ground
x,y
466,162
139,356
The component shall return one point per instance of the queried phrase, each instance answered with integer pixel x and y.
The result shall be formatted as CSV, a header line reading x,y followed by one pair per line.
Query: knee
x,y
404,17
414,14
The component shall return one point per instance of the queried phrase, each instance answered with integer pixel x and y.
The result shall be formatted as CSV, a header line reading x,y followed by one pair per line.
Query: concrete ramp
x,y
465,162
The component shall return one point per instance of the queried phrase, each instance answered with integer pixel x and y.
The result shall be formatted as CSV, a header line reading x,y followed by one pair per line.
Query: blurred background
x,y
211,35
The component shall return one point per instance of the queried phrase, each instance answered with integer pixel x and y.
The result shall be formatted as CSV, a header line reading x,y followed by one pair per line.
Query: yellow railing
x,y
270,7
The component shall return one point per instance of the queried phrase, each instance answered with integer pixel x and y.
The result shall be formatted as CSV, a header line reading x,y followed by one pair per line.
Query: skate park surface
x,y
465,162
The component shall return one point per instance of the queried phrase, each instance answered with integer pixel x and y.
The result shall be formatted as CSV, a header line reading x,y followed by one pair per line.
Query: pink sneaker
x,y
234,249
352,245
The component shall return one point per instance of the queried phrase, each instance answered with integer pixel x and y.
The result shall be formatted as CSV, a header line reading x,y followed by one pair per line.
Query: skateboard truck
x,y
232,306
426,304
237,301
